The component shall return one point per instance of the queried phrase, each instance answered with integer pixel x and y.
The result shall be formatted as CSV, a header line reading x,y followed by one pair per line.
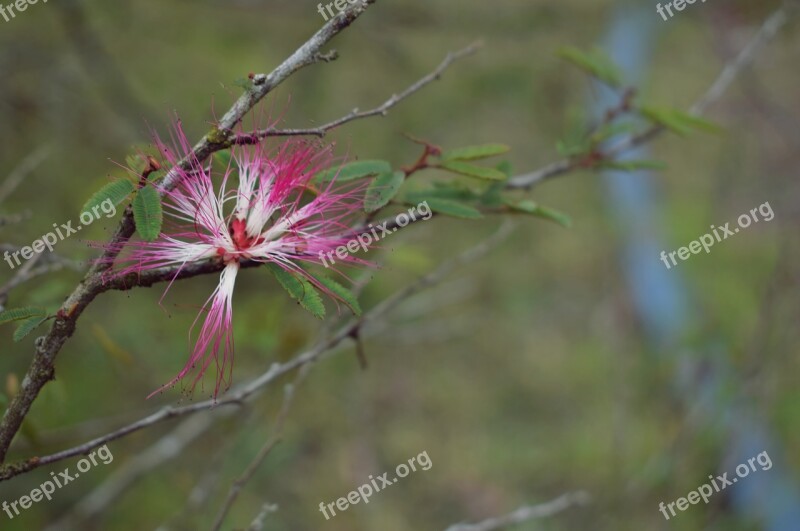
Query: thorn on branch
x,y
361,354
327,57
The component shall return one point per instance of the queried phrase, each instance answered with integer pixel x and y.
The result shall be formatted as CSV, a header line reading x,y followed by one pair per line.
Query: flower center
x,y
239,235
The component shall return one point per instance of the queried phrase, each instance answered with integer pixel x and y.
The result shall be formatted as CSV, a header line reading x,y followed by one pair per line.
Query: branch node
x,y
328,56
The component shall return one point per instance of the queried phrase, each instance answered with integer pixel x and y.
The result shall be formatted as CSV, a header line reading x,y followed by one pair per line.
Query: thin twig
x,y
730,71
14,219
47,263
258,522
164,450
275,438
46,258
745,57
23,169
26,272
382,110
206,485
526,513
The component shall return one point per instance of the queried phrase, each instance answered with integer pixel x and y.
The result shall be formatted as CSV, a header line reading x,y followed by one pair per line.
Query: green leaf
x,y
342,293
493,197
569,149
679,122
354,170
27,326
470,170
442,190
137,163
17,314
300,290
453,208
575,141
596,63
157,175
527,206
555,215
696,122
382,189
506,168
243,82
475,152
115,191
666,117
147,213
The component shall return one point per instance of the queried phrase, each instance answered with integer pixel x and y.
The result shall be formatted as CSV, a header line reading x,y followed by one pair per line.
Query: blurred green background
x,y
526,375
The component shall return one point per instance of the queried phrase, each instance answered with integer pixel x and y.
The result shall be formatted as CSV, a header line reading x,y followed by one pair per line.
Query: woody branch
x,y
42,369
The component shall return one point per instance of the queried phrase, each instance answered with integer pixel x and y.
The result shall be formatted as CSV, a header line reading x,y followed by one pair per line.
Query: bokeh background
x,y
557,363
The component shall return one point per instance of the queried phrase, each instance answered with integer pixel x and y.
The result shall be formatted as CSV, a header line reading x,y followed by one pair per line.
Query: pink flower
x,y
272,216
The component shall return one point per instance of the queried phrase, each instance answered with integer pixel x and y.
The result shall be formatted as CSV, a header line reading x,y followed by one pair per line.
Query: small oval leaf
x,y
115,191
476,152
17,314
300,290
147,213
453,208
137,163
595,62
471,170
341,293
667,118
354,170
382,189
453,190
527,206
27,326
